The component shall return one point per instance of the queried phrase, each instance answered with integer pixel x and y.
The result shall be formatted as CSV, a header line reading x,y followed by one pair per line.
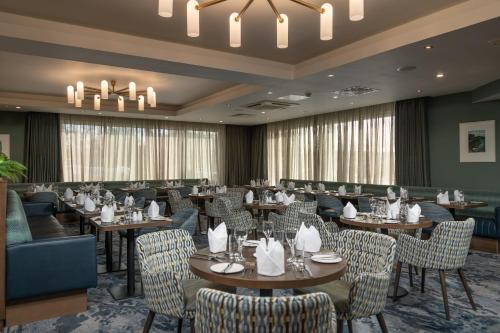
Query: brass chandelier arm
x,y
309,5
278,16
208,4
237,18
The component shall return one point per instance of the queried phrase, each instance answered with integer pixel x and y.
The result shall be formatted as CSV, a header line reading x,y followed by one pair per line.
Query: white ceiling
x,y
40,59
140,18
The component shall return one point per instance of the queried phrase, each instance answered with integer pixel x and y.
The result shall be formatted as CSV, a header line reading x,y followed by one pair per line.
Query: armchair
x,y
290,219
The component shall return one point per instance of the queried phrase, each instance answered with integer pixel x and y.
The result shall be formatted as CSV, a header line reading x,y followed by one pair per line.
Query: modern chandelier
x,y
356,13
76,96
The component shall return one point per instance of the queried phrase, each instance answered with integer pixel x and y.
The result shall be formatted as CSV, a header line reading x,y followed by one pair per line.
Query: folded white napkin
x,y
349,211
443,198
80,199
287,200
413,215
291,185
308,239
134,216
342,190
249,197
97,200
139,216
115,208
178,184
217,238
107,214
393,209
403,193
279,197
252,183
270,258
308,188
265,183
129,200
321,187
68,194
269,199
358,189
169,184
153,210
258,182
89,205
40,188
194,190
49,188
109,195
391,195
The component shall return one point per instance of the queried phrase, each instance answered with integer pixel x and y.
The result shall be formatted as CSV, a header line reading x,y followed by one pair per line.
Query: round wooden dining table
x,y
263,209
249,278
384,225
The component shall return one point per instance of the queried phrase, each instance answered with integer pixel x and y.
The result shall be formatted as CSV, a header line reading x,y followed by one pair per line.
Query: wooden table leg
x,y
82,225
130,262
108,244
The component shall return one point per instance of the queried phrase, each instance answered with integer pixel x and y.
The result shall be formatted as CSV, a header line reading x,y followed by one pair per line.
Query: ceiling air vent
x,y
269,105
355,91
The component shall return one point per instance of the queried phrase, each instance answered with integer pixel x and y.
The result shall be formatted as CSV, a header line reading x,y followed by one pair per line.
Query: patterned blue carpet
x,y
414,313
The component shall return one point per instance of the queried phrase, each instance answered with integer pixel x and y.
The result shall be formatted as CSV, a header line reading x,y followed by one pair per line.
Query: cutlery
x,y
208,258
227,267
308,270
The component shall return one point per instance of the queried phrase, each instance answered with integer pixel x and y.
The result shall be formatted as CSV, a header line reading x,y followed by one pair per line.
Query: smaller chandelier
x,y
77,95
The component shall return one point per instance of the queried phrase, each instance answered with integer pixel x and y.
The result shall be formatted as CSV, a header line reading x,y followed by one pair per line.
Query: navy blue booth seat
x,y
46,272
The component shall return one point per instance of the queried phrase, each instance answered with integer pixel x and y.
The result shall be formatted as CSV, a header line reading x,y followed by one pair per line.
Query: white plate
x,y
326,258
251,243
219,268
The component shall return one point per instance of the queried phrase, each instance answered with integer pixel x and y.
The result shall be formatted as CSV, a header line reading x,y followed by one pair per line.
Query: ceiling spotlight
x,y
331,75
269,92
18,107
440,75
429,47
336,97
220,121
100,113
419,90
166,117
263,112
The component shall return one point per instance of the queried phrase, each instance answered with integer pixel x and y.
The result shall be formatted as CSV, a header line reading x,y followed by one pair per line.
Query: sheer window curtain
x,y
106,149
352,146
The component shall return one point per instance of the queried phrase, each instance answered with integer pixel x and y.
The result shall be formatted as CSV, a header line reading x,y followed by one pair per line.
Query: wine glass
x,y
267,229
290,238
373,205
241,236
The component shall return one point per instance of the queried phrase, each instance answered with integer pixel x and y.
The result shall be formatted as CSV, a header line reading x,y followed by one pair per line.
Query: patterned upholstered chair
x,y
169,285
235,219
221,312
212,210
446,250
327,231
177,203
362,291
329,206
290,219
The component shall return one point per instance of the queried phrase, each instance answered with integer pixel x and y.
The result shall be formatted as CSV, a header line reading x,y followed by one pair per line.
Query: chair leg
x,y
468,291
442,279
149,322
340,325
381,322
416,270
191,325
422,280
410,273
396,282
179,326
120,252
349,326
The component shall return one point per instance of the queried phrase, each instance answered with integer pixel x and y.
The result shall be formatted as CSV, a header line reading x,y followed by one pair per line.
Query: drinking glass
x,y
462,197
373,205
279,235
290,238
241,236
267,229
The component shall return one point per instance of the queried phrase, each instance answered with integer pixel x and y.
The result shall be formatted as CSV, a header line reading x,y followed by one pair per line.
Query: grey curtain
x,y
411,143
258,152
43,150
238,155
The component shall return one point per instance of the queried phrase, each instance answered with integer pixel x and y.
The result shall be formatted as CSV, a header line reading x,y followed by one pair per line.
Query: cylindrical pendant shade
x,y
326,22
97,102
282,32
234,30
132,91
165,8
121,104
104,89
140,103
78,102
356,10
193,19
80,90
149,95
71,94
153,103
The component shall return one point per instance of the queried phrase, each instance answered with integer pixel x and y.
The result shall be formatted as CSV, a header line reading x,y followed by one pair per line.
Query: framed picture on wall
x,y
477,141
5,144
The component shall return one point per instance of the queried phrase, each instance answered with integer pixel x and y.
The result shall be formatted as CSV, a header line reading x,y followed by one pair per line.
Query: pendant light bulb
x,y
282,32
234,30
71,94
149,95
153,103
121,104
80,90
140,103
132,91
104,89
356,10
193,18
326,22
78,102
97,102
165,8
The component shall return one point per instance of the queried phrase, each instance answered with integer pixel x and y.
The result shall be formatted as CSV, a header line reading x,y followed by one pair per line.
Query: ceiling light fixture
x,y
419,91
440,75
331,75
429,47
18,107
220,121
76,97
263,112
193,8
356,10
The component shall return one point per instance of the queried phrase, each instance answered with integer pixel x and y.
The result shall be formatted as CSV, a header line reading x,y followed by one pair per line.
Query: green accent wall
x,y
13,123
444,116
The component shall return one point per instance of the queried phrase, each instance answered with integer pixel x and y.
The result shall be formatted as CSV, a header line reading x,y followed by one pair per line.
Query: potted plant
x,y
11,170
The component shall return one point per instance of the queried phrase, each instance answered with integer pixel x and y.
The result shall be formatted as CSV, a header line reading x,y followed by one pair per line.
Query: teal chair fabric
x,y
290,219
17,227
222,312
329,206
234,219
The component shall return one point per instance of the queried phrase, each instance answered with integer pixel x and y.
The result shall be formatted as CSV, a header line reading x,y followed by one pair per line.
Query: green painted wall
x,y
13,123
445,114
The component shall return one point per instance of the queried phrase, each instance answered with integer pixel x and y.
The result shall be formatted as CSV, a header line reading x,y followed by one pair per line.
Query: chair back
x,y
292,211
174,196
327,233
236,198
234,219
435,212
120,196
366,252
221,312
139,202
147,193
50,197
450,242
330,202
